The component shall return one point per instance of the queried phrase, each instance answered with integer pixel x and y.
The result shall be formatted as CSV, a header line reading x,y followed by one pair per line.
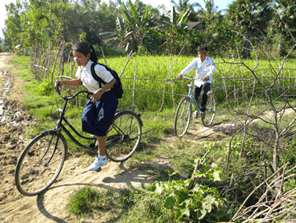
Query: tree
x,y
282,24
13,24
250,17
174,29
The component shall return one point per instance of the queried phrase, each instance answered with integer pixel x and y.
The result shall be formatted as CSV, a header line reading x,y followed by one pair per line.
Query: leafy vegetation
x,y
159,30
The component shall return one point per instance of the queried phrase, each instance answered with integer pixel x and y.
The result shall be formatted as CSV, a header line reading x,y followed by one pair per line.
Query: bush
x,y
44,88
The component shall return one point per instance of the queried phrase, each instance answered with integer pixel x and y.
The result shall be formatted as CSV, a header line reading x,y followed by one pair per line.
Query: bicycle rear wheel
x,y
40,163
210,112
124,136
183,117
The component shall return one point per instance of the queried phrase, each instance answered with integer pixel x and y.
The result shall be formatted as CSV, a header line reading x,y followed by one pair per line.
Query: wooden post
x,y
284,80
134,85
53,69
290,87
262,80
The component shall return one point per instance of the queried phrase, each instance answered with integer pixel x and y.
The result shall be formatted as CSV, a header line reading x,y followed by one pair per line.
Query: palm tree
x,y
184,5
210,13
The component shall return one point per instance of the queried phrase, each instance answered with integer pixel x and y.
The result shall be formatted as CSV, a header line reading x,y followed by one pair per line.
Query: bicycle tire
x,y
210,112
124,136
183,117
40,163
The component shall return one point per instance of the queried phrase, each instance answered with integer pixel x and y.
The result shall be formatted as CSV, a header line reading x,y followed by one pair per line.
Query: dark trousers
x,y
202,91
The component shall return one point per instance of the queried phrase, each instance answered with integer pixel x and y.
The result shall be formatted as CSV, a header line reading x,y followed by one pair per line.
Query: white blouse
x,y
84,74
205,68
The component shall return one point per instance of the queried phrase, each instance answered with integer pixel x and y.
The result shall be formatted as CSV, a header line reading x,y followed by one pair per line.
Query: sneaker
x,y
99,162
202,114
195,114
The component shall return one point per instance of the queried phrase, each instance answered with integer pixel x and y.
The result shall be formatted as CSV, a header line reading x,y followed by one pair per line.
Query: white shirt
x,y
206,68
84,74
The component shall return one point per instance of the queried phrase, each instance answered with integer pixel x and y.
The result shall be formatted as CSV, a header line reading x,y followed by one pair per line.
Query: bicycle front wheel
x,y
183,117
124,136
210,112
40,163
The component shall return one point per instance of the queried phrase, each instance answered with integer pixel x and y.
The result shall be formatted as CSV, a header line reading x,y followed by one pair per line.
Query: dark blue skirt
x,y
97,117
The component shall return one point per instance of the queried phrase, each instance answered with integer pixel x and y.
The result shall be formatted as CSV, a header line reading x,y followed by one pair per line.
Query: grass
x,y
158,144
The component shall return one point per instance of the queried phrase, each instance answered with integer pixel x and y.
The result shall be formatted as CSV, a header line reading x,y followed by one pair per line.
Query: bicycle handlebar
x,y
69,98
189,78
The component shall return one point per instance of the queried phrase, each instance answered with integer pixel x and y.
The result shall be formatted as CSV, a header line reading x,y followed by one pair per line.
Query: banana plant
x,y
119,36
174,25
137,24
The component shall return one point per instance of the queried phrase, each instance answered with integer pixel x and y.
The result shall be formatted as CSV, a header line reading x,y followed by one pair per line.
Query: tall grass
x,y
150,70
149,92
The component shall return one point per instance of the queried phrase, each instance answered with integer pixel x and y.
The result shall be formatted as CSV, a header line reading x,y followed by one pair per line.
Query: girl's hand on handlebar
x,y
97,95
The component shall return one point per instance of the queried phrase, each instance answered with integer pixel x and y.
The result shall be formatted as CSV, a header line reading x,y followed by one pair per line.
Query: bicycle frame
x,y
192,98
61,127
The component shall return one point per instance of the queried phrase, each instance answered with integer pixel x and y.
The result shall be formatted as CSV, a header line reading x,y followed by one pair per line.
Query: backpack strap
x,y
95,76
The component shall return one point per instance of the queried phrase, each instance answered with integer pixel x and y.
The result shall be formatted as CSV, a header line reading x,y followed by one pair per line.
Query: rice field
x,y
152,71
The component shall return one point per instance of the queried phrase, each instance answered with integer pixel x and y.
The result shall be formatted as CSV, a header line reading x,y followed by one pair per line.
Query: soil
x,y
51,205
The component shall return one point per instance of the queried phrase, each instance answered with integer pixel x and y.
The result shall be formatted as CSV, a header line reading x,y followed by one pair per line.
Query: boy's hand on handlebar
x,y
179,76
60,83
205,78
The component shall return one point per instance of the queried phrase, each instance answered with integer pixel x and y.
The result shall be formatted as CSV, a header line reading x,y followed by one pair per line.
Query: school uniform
x,y
202,69
97,116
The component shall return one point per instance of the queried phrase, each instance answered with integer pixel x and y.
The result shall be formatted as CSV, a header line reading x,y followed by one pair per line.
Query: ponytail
x,y
93,55
85,48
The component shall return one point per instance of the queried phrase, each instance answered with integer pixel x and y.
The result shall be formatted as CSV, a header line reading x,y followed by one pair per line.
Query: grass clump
x,y
89,201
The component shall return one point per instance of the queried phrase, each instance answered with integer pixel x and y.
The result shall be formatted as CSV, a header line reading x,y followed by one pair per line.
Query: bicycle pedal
x,y
99,169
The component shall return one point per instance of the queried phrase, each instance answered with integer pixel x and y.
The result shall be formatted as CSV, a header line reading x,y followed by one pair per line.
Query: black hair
x,y
202,48
85,48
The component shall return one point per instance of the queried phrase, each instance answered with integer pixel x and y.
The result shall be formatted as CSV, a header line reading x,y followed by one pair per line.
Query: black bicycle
x,y
42,160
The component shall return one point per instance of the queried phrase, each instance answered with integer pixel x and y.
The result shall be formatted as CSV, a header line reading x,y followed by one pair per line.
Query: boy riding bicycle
x,y
205,67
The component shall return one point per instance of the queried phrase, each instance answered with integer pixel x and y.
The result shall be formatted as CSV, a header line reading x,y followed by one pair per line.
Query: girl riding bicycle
x,y
100,109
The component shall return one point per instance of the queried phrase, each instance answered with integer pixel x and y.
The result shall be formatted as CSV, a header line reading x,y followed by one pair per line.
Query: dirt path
x,y
51,206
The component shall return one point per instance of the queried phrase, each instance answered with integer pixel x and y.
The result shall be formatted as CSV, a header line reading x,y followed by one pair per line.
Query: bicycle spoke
x,y
40,164
124,137
183,117
210,112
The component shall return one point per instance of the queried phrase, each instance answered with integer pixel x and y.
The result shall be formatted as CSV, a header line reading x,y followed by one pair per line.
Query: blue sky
x,y
222,4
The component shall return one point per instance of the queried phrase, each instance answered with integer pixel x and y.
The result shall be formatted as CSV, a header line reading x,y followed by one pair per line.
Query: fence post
x,y
262,80
55,62
225,87
134,85
289,77
233,71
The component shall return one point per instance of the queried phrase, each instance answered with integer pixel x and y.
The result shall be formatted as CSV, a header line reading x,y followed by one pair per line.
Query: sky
x,y
222,4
